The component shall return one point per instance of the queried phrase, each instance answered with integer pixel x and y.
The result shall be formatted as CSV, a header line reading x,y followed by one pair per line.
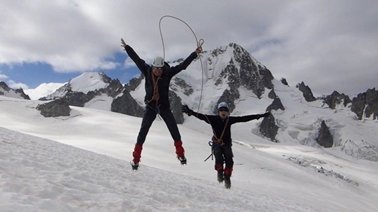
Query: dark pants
x,y
148,119
223,154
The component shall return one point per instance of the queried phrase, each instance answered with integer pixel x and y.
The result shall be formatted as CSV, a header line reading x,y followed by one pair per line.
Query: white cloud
x,y
129,63
3,77
16,85
328,44
11,83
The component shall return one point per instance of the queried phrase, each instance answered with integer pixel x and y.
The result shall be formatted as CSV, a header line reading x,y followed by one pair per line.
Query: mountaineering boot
x,y
219,168
227,182
180,152
134,166
136,156
220,177
182,159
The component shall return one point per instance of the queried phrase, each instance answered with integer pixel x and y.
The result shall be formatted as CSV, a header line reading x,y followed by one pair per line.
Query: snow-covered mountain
x,y
97,90
39,174
292,173
231,74
5,90
43,90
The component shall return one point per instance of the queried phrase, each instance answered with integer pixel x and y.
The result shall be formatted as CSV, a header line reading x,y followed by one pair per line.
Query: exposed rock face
x,y
78,98
228,96
307,93
176,105
276,105
22,94
266,77
366,103
244,70
272,94
134,83
127,105
335,99
324,138
268,128
231,74
55,108
252,75
114,88
185,87
4,86
284,81
15,93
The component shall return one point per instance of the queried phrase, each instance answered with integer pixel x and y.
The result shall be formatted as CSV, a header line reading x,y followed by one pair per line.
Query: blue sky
x,y
34,74
329,45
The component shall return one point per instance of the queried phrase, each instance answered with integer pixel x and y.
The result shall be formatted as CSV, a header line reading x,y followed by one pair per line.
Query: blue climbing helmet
x,y
223,106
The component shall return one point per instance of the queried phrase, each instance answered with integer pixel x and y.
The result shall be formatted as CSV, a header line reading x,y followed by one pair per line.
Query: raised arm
x,y
141,64
236,119
203,117
182,66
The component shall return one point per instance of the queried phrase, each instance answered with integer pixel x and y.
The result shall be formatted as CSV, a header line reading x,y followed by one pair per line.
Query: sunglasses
x,y
223,109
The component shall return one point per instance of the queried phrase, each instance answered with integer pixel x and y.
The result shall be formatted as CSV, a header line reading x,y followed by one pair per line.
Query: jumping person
x,y
157,80
221,140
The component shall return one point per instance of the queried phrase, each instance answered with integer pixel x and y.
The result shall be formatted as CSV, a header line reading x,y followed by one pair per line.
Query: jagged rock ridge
x,y
5,90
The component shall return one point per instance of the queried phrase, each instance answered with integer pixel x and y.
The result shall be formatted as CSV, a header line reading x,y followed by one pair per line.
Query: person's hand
x,y
123,43
187,110
199,50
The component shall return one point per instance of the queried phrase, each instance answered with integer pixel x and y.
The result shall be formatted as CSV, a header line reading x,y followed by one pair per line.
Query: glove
x,y
187,110
266,114
123,43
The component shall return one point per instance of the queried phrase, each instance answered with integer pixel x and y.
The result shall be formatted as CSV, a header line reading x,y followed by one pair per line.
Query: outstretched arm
x,y
236,119
142,65
203,117
182,66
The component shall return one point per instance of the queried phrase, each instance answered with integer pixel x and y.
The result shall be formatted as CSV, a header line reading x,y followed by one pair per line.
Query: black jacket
x,y
218,124
165,79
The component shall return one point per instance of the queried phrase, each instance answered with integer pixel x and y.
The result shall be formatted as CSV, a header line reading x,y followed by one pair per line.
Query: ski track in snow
x,y
43,175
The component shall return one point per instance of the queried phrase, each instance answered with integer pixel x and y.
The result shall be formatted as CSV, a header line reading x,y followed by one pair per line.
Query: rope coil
x,y
199,43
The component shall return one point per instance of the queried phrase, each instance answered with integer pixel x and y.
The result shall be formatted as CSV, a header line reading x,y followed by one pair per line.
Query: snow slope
x,y
267,176
43,175
88,81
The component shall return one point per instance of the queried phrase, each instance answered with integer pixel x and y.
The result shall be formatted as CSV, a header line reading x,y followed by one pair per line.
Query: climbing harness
x,y
216,140
199,43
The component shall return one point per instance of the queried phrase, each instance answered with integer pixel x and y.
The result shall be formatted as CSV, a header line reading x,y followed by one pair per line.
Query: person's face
x,y
157,71
223,114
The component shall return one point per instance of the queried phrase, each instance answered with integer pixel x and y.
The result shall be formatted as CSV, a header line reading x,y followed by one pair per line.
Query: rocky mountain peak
x,y
232,65
85,87
366,103
4,86
307,93
336,99
5,90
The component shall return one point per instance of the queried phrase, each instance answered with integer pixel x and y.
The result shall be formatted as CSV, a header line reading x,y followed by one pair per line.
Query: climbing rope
x,y
199,43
